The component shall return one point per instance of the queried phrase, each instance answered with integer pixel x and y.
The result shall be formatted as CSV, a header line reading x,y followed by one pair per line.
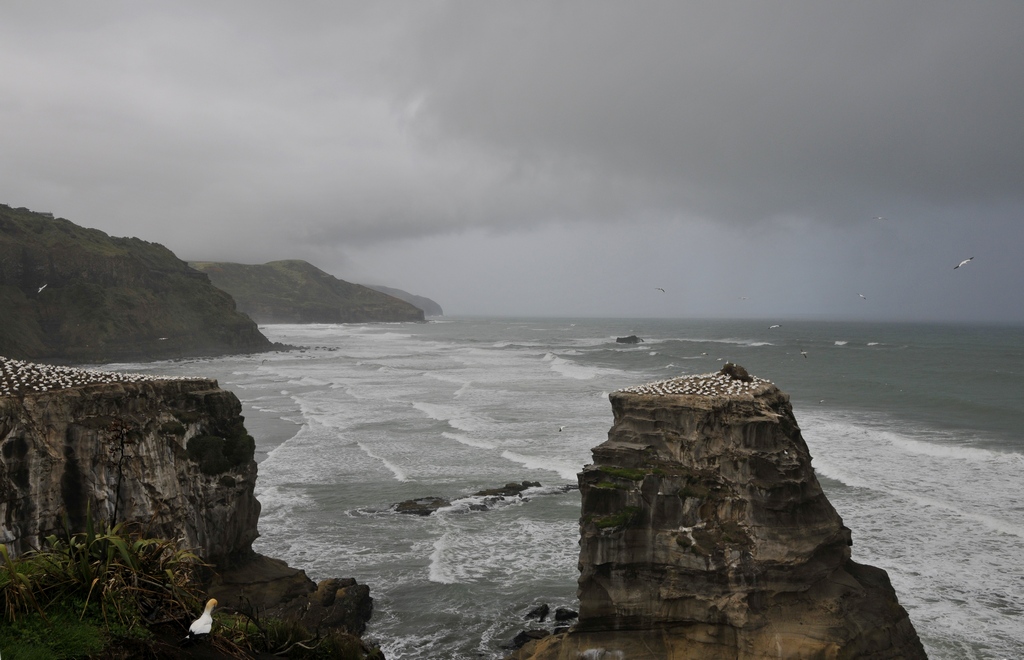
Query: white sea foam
x,y
398,472
840,342
440,569
571,369
565,470
466,440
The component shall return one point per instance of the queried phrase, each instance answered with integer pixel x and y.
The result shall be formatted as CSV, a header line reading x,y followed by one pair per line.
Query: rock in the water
x,y
632,339
508,490
423,506
539,613
525,636
565,614
705,534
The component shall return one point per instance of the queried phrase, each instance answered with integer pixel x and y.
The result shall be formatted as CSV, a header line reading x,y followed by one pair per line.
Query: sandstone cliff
x,y
172,455
295,291
705,534
73,294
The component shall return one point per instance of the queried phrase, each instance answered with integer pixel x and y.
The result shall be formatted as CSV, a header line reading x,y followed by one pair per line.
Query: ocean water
x,y
915,432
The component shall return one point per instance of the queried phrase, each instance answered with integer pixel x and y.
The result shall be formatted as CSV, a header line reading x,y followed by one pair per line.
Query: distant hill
x,y
295,291
71,294
429,307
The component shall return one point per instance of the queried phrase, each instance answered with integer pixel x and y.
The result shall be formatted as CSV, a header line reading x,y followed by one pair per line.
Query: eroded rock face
x,y
120,451
705,534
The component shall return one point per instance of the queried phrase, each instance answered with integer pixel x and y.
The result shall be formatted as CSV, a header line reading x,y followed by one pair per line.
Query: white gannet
x,y
42,287
862,296
201,626
962,263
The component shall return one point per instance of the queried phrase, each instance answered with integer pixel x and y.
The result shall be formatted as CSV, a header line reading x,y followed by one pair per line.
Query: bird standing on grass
x,y
200,628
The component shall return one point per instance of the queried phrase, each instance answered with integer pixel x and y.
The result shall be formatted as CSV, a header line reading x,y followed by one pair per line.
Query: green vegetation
x,y
104,594
291,639
217,455
295,291
90,590
623,473
625,517
74,294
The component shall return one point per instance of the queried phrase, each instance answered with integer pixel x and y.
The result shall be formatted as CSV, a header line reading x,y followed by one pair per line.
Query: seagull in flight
x,y
879,217
660,289
803,352
954,267
42,287
772,327
862,296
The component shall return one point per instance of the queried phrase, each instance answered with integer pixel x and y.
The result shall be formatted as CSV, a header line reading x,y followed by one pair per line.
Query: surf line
x,y
398,472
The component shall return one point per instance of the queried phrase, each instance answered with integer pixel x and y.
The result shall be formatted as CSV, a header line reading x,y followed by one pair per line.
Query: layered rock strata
x,y
705,534
169,454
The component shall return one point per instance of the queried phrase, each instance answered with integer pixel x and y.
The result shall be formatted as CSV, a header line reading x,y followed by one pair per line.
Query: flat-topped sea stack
x,y
705,534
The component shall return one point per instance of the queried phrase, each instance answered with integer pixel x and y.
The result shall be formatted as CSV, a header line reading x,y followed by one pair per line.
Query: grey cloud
x,y
433,141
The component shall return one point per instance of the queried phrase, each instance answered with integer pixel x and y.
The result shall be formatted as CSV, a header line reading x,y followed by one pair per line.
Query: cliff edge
x,y
705,534
74,295
169,454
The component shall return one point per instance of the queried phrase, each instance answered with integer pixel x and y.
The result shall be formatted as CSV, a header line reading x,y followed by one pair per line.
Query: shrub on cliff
x,y
86,591
217,455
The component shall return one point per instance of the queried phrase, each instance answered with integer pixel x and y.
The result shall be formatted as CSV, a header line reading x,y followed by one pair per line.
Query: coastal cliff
x,y
169,454
295,291
705,534
75,295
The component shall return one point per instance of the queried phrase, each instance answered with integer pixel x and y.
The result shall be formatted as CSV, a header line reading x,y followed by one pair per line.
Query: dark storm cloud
x,y
745,109
566,141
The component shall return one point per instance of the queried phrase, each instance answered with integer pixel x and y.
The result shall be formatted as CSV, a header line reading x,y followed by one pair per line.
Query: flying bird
x,y
862,296
772,327
200,628
879,217
41,288
660,289
954,267
803,353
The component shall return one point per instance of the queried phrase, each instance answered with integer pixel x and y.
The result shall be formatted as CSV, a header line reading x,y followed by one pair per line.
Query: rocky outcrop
x,y
170,455
76,295
705,534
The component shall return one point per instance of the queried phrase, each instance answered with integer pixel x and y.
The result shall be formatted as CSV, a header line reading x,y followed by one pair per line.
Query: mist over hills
x,y
295,291
429,307
77,295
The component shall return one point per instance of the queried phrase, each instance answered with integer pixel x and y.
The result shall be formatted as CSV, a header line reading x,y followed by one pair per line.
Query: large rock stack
x,y
705,534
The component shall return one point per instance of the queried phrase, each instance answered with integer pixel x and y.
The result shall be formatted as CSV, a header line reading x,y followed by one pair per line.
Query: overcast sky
x,y
545,158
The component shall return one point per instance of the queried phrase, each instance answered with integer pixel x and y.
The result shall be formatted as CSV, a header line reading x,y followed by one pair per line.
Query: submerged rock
x,y
632,339
705,534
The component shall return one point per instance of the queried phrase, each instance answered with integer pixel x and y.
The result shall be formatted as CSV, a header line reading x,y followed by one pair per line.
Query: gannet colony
x,y
713,384
19,377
